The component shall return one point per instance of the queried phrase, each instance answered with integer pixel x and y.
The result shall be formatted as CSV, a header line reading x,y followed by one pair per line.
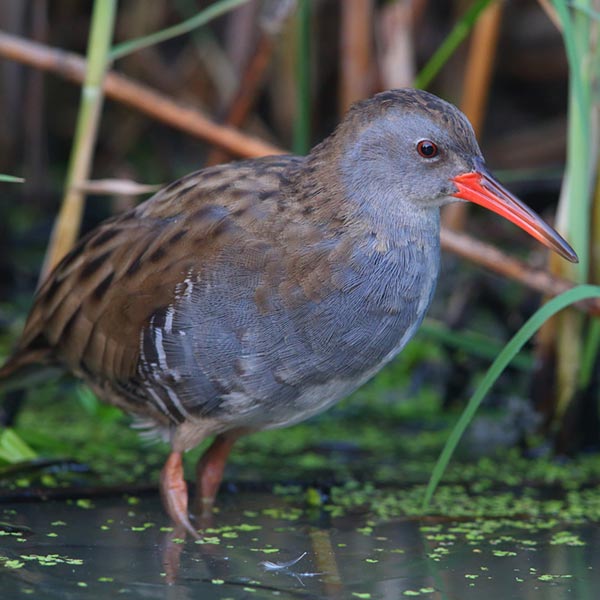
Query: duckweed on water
x,y
457,501
208,540
11,563
565,538
503,553
355,448
493,510
549,577
143,527
51,560
501,543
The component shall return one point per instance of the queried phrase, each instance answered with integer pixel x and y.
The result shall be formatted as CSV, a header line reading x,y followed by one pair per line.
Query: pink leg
x,y
209,471
173,491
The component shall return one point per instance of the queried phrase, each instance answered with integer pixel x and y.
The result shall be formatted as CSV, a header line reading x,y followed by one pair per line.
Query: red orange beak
x,y
482,188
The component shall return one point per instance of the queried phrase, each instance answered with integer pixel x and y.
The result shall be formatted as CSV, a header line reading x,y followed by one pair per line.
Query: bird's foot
x,y
209,473
174,493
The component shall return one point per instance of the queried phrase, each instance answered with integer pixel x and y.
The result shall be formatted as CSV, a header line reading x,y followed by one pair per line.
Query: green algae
x,y
445,544
51,560
11,563
566,538
208,540
458,501
550,577
364,464
371,454
503,553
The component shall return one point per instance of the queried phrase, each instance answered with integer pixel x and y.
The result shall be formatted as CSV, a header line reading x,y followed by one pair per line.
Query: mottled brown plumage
x,y
256,294
128,268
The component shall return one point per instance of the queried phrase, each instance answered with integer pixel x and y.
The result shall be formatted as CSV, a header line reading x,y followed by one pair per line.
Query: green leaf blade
x,y
202,18
576,294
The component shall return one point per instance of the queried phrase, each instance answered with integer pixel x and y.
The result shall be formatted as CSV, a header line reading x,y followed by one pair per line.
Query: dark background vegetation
x,y
522,134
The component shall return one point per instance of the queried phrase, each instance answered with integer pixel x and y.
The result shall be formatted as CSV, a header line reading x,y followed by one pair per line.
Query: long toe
x,y
209,472
174,493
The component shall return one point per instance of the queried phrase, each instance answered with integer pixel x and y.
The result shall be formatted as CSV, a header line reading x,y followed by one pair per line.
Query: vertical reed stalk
x,y
476,87
68,221
356,56
301,141
576,344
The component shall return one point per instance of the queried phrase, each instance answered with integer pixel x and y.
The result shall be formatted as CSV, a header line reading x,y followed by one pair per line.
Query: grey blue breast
x,y
218,352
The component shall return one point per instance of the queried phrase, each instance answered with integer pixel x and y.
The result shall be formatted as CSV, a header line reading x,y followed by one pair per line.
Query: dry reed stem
x,y
395,43
271,24
476,87
551,13
247,92
480,62
490,257
272,21
356,56
67,223
35,146
71,66
324,557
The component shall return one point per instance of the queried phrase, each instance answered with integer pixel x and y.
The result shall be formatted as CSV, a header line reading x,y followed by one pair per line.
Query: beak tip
x,y
564,249
482,188
567,252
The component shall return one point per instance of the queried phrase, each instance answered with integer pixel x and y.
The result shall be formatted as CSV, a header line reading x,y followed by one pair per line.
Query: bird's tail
x,y
25,369
22,370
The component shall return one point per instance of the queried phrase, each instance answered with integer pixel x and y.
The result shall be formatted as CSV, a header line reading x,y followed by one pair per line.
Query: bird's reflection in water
x,y
222,567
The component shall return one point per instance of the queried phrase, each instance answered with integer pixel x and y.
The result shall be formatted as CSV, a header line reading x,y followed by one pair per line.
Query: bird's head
x,y
408,150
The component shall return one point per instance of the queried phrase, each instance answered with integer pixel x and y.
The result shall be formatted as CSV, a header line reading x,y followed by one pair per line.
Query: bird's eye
x,y
427,149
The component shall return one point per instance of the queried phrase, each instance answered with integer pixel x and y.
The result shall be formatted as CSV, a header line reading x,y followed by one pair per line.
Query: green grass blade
x,y
590,12
68,220
471,342
10,179
576,197
555,305
301,142
590,354
573,54
202,18
13,449
450,44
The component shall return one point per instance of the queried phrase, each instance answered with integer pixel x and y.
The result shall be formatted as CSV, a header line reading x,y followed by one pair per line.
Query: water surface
x,y
124,547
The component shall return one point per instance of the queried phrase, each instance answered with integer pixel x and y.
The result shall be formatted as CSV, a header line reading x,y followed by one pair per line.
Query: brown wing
x,y
90,312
